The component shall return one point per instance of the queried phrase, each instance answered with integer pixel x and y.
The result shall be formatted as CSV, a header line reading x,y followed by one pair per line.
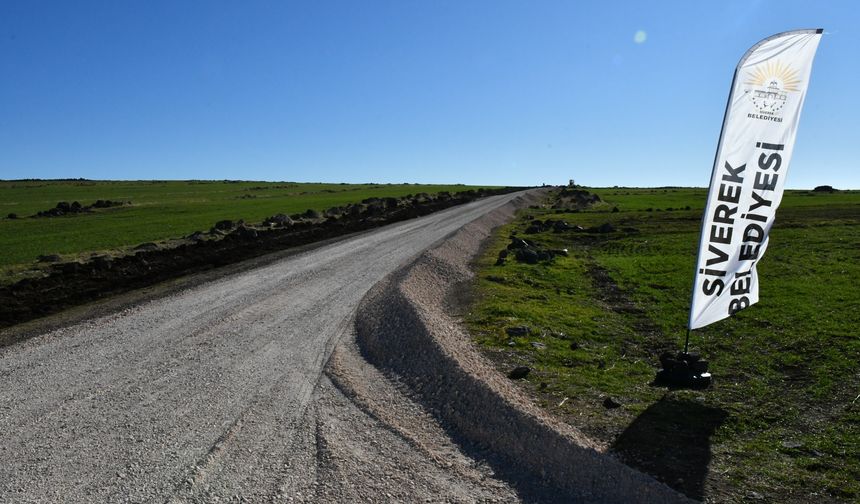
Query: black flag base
x,y
683,370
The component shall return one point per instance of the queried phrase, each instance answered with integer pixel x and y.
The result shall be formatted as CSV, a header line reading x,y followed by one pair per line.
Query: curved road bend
x,y
143,404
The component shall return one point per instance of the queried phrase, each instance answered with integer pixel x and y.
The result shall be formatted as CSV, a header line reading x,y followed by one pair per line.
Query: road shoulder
x,y
404,327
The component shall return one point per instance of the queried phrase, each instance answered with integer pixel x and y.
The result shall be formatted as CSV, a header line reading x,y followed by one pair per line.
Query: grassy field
x,y
159,210
782,421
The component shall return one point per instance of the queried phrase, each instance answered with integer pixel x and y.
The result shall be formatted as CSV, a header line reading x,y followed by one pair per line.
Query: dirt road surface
x,y
217,393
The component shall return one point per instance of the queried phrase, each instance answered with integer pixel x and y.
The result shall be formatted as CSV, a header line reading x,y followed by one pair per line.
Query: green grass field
x,y
159,210
782,421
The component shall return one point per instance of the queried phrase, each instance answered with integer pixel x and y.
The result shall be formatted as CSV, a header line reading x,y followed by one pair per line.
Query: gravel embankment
x,y
404,328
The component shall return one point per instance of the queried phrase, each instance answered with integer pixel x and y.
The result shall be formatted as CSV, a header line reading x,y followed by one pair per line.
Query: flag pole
x,y
708,199
679,371
676,369
687,341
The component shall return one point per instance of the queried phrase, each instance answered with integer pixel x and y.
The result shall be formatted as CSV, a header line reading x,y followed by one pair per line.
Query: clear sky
x,y
473,91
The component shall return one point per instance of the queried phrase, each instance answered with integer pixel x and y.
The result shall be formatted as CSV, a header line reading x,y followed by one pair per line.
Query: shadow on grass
x,y
671,440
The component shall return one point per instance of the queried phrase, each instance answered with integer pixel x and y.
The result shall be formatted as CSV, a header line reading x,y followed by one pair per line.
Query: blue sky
x,y
479,92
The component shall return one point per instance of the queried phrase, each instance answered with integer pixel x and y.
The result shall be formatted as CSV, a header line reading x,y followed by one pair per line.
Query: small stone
x,y
792,444
517,243
610,403
527,255
245,232
603,228
701,381
538,345
311,214
280,219
517,330
699,367
224,225
520,372
148,246
560,226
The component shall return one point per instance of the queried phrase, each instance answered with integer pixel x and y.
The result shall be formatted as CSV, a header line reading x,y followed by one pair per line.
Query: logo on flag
x,y
768,87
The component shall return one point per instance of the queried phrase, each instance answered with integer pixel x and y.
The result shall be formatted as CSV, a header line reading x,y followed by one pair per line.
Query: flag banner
x,y
749,171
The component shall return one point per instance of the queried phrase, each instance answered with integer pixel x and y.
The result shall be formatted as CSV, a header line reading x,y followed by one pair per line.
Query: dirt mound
x,y
404,327
66,208
575,199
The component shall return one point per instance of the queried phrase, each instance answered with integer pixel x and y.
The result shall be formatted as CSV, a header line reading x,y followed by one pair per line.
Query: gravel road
x,y
217,393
